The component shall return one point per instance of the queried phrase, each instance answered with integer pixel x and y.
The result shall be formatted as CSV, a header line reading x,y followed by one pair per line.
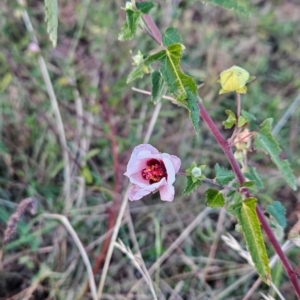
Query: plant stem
x,y
238,104
239,175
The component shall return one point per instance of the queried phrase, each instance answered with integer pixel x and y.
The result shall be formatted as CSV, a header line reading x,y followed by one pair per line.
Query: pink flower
x,y
150,171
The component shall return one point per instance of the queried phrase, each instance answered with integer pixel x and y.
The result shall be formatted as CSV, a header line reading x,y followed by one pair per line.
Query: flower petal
x,y
136,192
139,158
167,192
137,178
234,79
176,161
169,167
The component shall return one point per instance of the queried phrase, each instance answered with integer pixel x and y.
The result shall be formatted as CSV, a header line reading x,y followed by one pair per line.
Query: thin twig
x,y
285,247
120,245
136,245
80,247
175,244
286,115
214,245
55,108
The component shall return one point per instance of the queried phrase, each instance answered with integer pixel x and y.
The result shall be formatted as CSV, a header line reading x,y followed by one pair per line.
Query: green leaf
x,y
266,142
223,176
248,184
171,36
51,18
251,119
191,186
239,6
277,210
247,218
253,175
214,198
242,121
133,19
144,7
158,86
181,86
136,72
230,120
248,116
156,56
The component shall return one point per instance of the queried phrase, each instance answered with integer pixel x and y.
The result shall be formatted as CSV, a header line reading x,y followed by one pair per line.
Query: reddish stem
x,y
240,177
154,31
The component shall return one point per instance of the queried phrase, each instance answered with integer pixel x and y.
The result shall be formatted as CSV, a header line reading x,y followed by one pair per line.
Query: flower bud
x,y
196,172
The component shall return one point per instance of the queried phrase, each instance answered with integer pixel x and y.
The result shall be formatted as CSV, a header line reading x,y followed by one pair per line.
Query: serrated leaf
x,y
223,176
158,87
171,36
230,120
247,218
214,198
277,210
181,86
253,175
133,19
191,186
238,6
144,7
51,18
136,72
242,121
266,142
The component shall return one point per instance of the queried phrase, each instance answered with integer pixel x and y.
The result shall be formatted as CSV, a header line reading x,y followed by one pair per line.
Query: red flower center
x,y
154,171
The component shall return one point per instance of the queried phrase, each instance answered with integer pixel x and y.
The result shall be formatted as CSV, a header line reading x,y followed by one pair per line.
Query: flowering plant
x,y
151,171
